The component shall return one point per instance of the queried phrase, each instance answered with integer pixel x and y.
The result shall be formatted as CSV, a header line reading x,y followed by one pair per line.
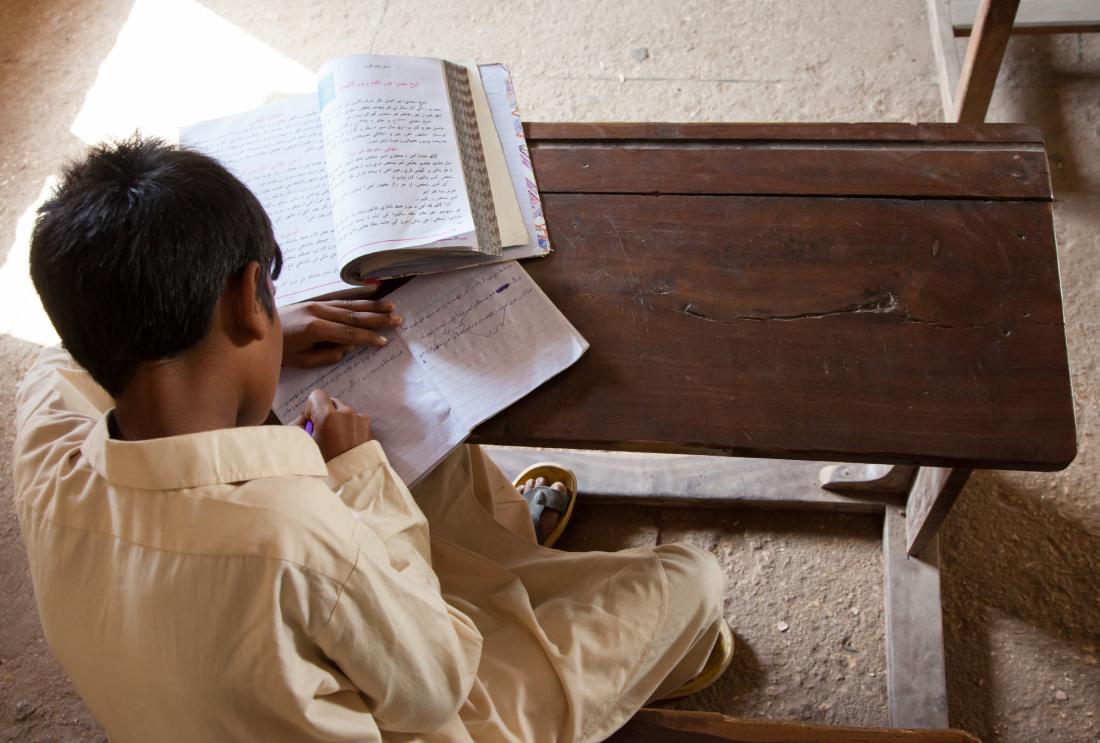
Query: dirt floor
x,y
1020,552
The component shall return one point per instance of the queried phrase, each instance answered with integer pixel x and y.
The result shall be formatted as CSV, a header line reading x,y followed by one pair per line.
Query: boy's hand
x,y
336,427
321,333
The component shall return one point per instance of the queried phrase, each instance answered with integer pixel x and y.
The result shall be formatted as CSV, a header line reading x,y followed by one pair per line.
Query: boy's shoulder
x,y
297,519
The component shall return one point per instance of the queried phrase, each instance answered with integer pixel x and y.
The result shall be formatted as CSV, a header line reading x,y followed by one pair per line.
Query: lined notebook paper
x,y
473,342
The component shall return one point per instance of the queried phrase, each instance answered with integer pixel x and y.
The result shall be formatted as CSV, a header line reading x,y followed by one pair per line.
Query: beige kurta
x,y
230,585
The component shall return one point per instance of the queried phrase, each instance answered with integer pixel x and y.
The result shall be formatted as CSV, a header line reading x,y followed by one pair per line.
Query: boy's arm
x,y
57,384
368,485
412,657
55,404
393,635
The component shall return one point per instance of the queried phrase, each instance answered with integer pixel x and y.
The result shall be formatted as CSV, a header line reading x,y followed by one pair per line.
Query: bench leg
x,y
945,53
915,671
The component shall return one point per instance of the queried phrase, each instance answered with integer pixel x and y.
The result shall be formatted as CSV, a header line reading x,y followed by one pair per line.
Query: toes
x,y
540,481
560,487
528,485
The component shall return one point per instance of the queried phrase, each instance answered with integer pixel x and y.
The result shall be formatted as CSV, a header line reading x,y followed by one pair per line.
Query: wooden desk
x,y
856,293
882,293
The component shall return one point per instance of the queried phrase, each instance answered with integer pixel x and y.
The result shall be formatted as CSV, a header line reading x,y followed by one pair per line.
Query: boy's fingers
x,y
300,420
343,334
360,318
318,407
323,356
358,305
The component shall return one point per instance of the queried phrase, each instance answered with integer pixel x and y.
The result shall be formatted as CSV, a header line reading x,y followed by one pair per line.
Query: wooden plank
x,y
821,132
867,330
915,672
867,478
933,492
692,481
961,171
1035,16
945,51
992,27
681,726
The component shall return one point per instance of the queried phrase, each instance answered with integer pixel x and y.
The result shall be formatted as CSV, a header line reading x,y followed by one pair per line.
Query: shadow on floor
x,y
1011,559
803,595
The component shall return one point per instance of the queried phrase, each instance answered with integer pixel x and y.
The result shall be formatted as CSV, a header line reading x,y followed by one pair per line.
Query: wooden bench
x,y
654,725
883,295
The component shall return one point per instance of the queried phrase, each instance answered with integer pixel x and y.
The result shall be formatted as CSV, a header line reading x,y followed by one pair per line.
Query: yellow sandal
x,y
716,665
541,497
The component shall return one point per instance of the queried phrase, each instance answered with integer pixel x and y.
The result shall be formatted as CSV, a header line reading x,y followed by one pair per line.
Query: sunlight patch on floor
x,y
21,313
174,62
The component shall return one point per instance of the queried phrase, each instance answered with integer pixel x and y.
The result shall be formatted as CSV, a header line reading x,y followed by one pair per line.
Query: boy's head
x,y
145,252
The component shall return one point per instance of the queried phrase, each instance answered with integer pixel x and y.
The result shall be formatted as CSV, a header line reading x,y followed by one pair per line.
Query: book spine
x,y
474,168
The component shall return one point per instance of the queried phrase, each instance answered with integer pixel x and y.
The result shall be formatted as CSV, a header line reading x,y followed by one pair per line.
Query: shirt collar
x,y
208,458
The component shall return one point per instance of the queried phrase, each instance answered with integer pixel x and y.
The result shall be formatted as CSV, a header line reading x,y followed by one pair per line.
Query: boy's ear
x,y
248,318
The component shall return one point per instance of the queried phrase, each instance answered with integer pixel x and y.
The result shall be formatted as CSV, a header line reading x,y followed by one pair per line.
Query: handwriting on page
x,y
480,308
409,417
487,336
339,381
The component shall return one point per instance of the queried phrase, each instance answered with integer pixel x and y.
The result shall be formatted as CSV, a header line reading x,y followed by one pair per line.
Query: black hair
x,y
134,247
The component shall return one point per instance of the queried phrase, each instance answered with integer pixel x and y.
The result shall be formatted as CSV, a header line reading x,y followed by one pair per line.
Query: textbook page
x,y
277,152
395,171
485,337
412,421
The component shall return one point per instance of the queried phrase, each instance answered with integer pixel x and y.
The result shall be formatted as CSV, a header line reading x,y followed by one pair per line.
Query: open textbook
x,y
472,343
394,167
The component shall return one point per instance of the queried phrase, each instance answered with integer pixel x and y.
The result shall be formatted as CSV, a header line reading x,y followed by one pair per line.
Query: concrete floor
x,y
1021,552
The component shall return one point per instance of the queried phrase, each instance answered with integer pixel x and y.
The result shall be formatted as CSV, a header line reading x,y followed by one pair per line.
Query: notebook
x,y
472,343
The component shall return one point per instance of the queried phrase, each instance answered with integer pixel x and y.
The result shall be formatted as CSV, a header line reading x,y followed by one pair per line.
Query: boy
x,y
202,577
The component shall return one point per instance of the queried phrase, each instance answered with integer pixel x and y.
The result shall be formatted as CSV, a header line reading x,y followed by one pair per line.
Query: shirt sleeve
x,y
366,483
55,405
413,656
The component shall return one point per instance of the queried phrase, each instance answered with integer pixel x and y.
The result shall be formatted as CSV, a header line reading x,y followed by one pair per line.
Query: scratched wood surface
x,y
902,324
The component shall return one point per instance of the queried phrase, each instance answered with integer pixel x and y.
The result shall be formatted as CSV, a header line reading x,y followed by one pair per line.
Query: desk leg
x,y
931,496
916,680
984,52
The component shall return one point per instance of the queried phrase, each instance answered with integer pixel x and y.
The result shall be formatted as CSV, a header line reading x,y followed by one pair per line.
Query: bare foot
x,y
549,518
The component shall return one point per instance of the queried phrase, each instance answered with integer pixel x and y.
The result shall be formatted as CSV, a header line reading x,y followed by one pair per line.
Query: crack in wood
x,y
884,303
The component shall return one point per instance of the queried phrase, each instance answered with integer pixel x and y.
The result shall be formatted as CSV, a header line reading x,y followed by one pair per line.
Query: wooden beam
x,y
946,53
806,135
689,480
933,492
867,478
915,672
1035,16
992,27
681,726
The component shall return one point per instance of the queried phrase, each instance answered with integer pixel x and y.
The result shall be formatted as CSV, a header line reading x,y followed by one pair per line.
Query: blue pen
x,y
309,427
